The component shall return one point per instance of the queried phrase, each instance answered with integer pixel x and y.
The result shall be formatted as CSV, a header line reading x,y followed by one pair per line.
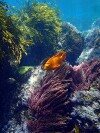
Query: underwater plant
x,y
86,74
11,45
23,69
40,23
50,104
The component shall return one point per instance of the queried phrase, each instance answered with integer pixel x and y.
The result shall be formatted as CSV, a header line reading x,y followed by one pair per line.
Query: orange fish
x,y
55,61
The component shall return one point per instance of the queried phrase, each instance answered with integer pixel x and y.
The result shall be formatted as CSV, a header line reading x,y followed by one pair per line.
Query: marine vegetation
x,y
40,23
37,24
51,105
23,69
11,45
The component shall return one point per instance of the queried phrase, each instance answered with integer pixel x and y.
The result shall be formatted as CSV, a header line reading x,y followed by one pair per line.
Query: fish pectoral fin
x,y
56,66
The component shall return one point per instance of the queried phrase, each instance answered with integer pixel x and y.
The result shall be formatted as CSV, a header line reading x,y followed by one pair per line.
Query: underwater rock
x,y
86,110
11,80
72,41
92,46
96,24
8,86
18,108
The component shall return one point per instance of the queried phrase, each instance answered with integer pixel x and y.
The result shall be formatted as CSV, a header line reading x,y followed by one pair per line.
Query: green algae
x,y
23,69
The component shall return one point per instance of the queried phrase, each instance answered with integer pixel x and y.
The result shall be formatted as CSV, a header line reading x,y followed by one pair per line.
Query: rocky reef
x,y
52,101
71,40
38,101
86,110
91,43
18,111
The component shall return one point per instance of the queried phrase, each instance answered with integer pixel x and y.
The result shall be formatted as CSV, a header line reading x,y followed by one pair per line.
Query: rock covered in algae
x,y
72,41
18,106
91,45
86,110
46,100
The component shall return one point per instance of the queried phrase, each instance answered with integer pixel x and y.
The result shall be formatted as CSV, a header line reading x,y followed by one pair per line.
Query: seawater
x,y
80,13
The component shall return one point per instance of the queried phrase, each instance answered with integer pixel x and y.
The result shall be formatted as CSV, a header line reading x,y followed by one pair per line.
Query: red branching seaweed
x,y
50,104
85,74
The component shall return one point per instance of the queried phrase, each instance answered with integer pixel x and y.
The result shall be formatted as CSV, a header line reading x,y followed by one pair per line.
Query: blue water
x,y
81,13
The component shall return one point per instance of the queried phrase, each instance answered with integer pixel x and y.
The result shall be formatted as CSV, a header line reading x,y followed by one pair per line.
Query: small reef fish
x,y
55,61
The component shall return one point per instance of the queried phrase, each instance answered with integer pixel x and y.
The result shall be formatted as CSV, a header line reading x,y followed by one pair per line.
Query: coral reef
x,y
71,40
47,102
86,103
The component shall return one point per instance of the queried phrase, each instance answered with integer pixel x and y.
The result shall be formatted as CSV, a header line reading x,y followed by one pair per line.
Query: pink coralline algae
x,y
50,104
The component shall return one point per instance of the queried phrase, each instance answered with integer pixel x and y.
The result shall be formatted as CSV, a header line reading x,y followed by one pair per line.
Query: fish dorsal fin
x,y
58,54
63,57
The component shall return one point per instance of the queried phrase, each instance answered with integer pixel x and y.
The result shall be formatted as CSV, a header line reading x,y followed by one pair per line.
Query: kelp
x,y
11,45
45,21
37,23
